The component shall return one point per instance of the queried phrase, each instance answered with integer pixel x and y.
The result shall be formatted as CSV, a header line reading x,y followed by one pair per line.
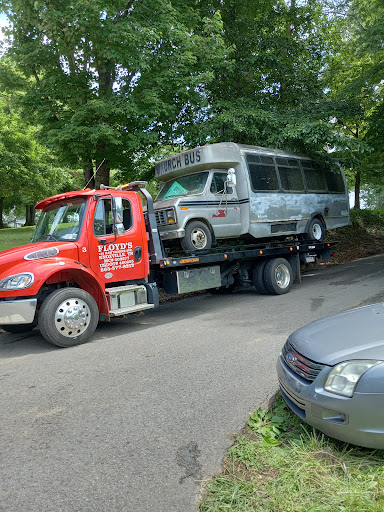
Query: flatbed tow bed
x,y
271,267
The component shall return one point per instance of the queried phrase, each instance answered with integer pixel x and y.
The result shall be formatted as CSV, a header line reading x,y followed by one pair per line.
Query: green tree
x,y
107,78
28,170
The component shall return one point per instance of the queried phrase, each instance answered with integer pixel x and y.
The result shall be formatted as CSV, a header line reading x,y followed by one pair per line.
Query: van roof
x,y
221,155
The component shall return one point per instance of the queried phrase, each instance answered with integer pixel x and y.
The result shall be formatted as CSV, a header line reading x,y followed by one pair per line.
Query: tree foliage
x,y
111,77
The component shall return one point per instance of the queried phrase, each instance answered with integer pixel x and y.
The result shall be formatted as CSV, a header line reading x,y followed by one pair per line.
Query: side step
x,y
128,299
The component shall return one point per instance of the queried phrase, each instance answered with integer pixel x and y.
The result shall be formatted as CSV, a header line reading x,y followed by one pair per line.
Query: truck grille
x,y
161,218
306,368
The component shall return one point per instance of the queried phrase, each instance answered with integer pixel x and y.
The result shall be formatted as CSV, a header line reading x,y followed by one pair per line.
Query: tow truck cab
x,y
89,256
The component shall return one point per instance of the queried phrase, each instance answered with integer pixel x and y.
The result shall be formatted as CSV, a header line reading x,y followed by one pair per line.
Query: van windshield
x,y
183,186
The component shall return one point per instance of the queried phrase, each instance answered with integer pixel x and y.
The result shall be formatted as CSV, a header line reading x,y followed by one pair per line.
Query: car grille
x,y
161,218
306,368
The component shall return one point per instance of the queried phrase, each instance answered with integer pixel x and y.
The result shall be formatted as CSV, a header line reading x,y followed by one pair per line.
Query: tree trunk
x,y
102,176
29,215
1,212
357,190
89,177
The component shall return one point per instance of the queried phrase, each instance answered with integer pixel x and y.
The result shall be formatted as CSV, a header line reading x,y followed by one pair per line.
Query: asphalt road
x,y
135,419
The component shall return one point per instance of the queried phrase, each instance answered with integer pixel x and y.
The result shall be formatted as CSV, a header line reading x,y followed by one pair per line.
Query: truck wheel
x,y
197,237
316,230
278,276
258,277
68,317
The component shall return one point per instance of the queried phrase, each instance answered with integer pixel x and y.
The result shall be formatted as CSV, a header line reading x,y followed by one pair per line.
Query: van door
x,y
223,206
121,256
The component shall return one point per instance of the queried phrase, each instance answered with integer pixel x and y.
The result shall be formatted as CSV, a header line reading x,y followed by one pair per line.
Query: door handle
x,y
138,253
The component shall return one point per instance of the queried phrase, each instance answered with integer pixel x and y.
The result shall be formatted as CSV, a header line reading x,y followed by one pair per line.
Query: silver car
x,y
331,374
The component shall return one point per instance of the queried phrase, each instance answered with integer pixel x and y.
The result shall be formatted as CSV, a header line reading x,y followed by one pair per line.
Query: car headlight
x,y
171,216
17,282
344,377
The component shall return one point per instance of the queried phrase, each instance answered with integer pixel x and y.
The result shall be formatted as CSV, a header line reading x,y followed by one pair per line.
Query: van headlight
x,y
344,377
17,281
171,216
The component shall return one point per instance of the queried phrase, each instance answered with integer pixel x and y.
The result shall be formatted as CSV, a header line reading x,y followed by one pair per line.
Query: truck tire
x,y
278,276
68,317
258,277
316,230
197,237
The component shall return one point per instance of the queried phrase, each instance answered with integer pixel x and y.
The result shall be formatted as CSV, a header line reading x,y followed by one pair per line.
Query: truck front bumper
x,y
20,311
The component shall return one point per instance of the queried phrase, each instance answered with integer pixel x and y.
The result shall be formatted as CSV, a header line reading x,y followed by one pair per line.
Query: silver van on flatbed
x,y
230,190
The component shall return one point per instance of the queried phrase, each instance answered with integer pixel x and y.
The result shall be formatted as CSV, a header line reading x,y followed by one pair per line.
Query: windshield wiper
x,y
49,236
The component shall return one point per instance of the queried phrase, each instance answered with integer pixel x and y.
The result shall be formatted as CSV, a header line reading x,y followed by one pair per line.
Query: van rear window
x,y
335,181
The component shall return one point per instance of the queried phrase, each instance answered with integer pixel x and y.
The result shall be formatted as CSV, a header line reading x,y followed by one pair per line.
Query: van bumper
x,y
17,311
171,235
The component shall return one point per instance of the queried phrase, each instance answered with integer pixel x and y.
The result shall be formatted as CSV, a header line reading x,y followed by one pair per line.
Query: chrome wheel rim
x,y
282,276
72,317
198,238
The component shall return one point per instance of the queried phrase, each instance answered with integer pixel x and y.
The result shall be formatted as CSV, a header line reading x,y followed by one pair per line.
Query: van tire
x,y
68,317
316,230
278,276
197,237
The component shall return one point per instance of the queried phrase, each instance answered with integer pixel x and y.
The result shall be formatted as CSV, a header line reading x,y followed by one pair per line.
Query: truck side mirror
x,y
231,177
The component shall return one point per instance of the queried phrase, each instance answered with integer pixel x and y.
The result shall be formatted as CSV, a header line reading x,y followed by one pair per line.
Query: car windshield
x,y
183,186
61,220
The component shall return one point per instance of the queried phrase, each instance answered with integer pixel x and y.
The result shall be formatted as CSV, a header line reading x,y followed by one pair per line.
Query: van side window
x,y
290,175
314,177
335,181
218,184
262,173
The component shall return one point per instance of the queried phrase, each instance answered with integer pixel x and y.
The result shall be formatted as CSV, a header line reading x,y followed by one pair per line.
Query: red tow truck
x,y
97,254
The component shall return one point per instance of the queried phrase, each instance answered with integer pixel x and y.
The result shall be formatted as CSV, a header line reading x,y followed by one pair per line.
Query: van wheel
x,y
316,230
278,276
68,317
197,237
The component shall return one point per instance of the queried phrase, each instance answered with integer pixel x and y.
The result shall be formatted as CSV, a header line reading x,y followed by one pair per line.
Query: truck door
x,y
121,255
224,206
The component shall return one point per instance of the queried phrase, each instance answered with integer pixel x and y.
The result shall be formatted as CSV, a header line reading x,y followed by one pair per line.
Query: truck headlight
x,y
171,216
344,377
17,281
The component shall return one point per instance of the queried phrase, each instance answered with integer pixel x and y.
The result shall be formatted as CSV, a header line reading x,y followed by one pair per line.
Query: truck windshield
x,y
61,220
183,186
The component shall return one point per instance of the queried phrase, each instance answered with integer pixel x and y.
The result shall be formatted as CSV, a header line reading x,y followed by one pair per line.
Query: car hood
x,y
354,334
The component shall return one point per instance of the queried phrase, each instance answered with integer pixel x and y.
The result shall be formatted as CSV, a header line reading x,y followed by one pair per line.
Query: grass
x,y
279,464
13,237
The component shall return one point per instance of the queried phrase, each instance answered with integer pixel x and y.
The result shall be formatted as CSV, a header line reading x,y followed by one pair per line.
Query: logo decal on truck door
x,y
115,256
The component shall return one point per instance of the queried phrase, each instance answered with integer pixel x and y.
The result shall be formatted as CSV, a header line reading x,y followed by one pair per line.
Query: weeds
x,y
280,464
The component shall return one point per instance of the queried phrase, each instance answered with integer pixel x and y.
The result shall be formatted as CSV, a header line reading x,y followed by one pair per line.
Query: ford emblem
x,y
291,358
